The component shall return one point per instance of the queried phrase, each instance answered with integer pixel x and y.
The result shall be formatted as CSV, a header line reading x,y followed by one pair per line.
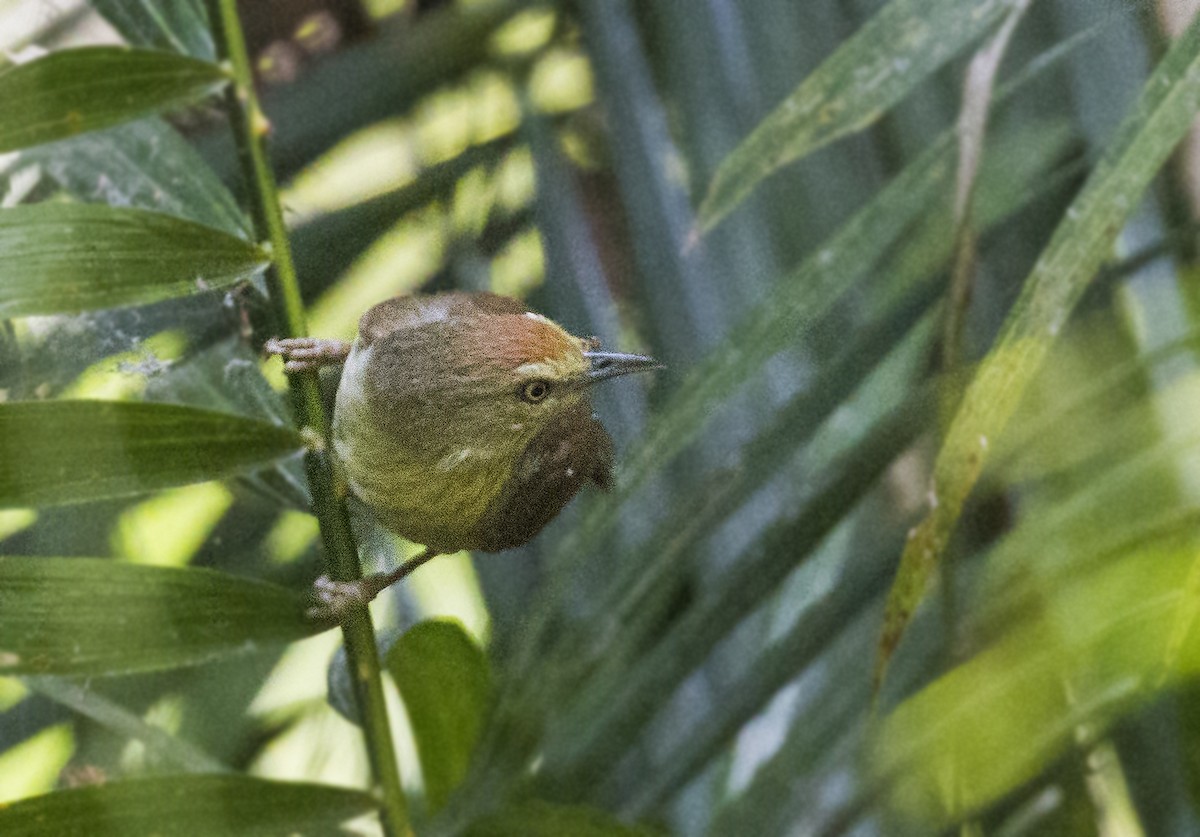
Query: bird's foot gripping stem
x,y
307,354
334,599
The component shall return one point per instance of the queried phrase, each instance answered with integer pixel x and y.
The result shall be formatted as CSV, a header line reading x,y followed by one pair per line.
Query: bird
x,y
462,421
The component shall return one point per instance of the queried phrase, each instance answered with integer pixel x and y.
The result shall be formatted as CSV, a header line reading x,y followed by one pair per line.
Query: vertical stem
x,y
341,554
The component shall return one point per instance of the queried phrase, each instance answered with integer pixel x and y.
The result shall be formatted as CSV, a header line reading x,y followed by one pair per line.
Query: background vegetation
x,y
904,541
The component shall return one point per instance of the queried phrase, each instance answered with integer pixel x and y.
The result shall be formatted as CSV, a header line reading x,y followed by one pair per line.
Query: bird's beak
x,y
611,364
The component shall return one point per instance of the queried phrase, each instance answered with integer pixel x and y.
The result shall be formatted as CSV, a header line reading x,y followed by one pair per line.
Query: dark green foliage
x,y
208,805
72,451
770,196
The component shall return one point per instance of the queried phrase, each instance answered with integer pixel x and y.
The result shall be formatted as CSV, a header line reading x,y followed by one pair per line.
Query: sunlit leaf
x,y
178,25
1078,248
445,681
194,805
77,90
90,616
62,258
889,56
54,452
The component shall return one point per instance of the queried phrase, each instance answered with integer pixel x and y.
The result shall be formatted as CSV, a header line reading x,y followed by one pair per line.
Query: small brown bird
x,y
462,421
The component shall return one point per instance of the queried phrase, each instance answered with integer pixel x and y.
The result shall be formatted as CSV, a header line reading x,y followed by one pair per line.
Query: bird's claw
x,y
306,354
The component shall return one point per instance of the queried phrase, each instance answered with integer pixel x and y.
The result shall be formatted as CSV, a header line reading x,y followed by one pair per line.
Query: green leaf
x,y
890,55
62,258
145,165
1074,255
93,616
56,452
177,25
446,684
192,805
534,818
77,90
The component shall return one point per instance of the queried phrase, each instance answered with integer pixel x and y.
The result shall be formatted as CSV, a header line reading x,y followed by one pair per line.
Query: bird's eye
x,y
535,391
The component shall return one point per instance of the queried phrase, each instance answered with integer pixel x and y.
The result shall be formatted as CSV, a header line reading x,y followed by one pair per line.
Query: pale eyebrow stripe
x,y
537,368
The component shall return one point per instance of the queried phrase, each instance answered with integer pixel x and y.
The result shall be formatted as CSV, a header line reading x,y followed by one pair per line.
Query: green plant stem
x,y
249,128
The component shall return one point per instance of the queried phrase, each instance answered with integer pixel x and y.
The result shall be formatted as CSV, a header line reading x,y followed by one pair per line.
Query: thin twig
x,y
341,553
972,128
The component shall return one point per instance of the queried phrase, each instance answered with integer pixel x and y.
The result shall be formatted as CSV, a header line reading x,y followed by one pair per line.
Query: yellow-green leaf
x,y
1093,645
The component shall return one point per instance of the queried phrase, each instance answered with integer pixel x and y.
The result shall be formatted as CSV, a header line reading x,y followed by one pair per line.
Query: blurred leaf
x,y
533,818
325,246
1100,641
194,805
774,800
177,25
144,164
592,734
330,101
55,452
678,286
889,56
798,300
62,258
802,298
88,701
1006,186
93,616
77,90
1015,176
858,586
809,291
445,681
1078,248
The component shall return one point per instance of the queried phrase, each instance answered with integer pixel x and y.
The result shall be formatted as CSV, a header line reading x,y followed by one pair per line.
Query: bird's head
x,y
529,370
